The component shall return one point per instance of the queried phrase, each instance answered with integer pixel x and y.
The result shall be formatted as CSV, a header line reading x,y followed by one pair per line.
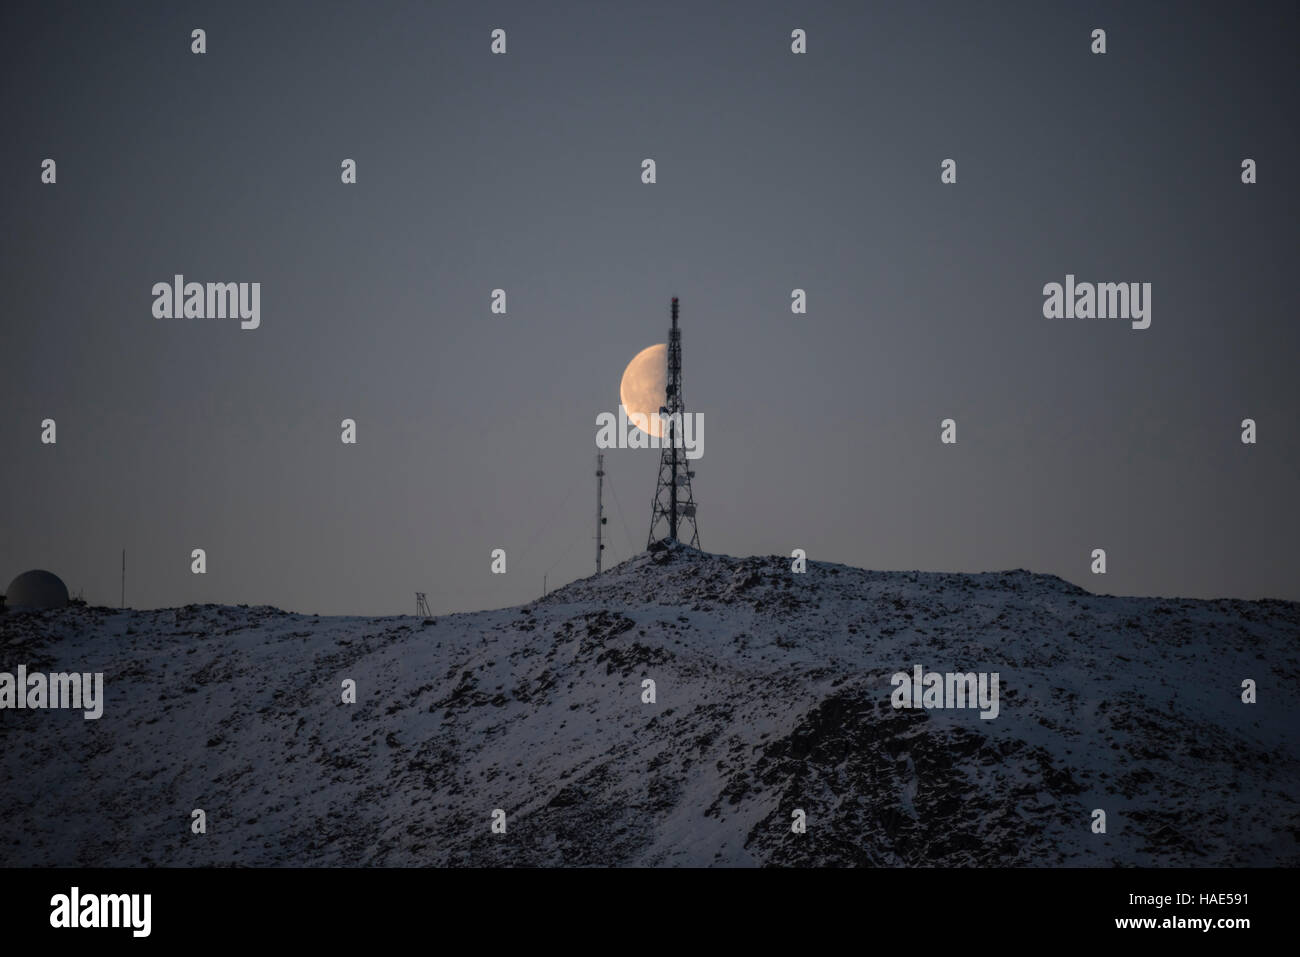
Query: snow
x,y
773,693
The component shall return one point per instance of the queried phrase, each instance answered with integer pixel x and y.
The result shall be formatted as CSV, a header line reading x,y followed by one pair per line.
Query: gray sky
x,y
522,171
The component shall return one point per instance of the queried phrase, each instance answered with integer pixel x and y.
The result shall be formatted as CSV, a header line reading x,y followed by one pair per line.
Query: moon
x,y
642,388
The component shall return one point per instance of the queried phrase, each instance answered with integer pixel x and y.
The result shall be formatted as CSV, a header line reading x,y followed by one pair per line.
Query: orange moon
x,y
642,388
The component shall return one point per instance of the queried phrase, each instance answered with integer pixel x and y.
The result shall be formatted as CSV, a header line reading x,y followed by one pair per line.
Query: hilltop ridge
x,y
772,693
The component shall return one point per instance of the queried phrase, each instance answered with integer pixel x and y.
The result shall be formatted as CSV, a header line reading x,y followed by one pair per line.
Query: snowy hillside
x,y
773,694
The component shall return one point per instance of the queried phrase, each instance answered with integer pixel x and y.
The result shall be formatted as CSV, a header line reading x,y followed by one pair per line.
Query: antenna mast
x,y
600,507
674,501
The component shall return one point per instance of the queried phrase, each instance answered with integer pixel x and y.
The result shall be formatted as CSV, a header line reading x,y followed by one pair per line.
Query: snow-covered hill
x,y
773,694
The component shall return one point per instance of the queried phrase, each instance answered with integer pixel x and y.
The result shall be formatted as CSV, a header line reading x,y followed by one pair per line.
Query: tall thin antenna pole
x,y
674,404
124,578
600,507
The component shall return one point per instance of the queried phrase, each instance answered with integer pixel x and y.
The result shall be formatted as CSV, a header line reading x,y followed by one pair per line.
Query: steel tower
x,y
674,504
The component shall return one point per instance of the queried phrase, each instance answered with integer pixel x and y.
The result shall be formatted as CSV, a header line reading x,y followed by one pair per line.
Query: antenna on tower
x,y
600,507
422,605
674,501
124,578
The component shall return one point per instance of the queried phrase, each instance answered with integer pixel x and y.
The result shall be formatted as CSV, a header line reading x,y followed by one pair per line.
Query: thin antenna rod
x,y
124,578
674,403
600,507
